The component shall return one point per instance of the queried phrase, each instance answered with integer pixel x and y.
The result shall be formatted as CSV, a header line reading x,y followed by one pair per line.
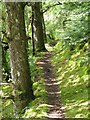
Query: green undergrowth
x,y
7,103
72,68
37,108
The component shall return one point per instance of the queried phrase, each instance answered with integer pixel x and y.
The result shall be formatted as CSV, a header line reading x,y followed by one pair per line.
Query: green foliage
x,y
71,67
39,88
28,18
7,104
37,108
76,24
71,58
3,18
6,59
67,24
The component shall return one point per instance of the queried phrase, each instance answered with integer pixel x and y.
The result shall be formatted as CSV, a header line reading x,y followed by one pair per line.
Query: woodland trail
x,y
52,88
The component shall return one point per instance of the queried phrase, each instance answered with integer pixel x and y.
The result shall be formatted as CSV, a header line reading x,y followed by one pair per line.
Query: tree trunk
x,y
38,27
44,28
20,70
33,32
0,64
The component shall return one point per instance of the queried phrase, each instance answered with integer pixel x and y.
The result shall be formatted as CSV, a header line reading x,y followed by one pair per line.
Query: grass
x,y
71,69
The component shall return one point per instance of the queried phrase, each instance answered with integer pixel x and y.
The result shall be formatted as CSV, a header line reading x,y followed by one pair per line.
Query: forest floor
x,y
52,88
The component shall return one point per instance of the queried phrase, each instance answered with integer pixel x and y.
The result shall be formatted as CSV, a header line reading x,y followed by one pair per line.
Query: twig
x,y
48,7
4,43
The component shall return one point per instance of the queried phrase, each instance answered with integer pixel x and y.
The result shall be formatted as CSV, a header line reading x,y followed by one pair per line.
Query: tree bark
x,y
20,70
38,27
0,63
44,28
33,32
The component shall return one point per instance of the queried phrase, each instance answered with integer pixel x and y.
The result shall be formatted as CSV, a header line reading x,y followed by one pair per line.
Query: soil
x,y
52,87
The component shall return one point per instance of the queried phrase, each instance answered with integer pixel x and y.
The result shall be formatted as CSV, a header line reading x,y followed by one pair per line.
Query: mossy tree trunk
x,y
38,27
20,70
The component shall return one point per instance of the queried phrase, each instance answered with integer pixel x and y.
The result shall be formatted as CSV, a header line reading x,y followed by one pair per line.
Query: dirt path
x,y
52,88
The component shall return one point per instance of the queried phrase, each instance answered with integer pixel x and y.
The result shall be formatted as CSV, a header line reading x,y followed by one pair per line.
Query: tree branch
x,y
48,7
4,43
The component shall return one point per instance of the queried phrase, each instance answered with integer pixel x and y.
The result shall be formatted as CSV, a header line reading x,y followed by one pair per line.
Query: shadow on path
x,y
52,88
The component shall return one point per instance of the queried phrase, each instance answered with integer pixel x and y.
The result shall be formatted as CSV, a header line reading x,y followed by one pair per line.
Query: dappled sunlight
x,y
45,60
52,88
73,78
78,108
72,105
38,108
42,105
55,114
48,47
52,84
40,63
39,88
53,80
86,103
54,93
45,50
37,111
